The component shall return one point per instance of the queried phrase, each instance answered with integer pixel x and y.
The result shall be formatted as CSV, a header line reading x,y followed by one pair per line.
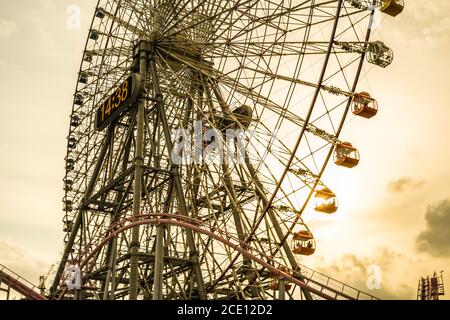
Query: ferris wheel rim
x,y
312,105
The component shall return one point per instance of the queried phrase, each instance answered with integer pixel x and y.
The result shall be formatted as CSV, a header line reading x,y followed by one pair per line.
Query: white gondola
x,y
379,54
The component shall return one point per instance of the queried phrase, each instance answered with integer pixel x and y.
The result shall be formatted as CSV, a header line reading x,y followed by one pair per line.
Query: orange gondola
x,y
303,235
364,105
346,155
275,280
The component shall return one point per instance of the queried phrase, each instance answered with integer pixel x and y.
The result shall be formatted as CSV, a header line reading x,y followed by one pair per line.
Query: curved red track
x,y
14,281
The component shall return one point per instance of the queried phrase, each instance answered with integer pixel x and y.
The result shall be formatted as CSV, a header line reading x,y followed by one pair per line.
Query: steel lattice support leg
x,y
78,221
137,193
177,181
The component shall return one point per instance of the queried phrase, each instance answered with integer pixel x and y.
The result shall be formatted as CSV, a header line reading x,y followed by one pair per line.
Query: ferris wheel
x,y
199,134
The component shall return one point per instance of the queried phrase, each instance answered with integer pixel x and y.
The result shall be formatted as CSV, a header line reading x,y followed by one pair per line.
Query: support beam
x,y
137,192
182,206
159,264
282,289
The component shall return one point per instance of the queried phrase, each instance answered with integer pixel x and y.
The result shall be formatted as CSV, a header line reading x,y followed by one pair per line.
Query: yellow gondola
x,y
304,243
392,7
326,201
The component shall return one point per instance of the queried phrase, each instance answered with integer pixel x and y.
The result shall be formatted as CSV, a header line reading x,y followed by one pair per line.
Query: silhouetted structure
x,y
431,287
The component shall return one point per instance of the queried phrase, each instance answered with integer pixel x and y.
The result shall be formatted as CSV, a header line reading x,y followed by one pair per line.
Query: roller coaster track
x,y
19,284
319,285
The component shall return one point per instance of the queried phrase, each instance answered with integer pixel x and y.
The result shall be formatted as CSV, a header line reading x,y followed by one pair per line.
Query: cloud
x,y
7,28
435,240
403,184
424,25
21,261
424,12
357,271
47,4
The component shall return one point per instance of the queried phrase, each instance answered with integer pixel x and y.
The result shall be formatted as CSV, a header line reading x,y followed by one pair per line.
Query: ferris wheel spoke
x,y
275,48
279,11
224,10
282,154
353,24
184,15
116,51
258,49
304,174
126,25
274,107
171,17
287,150
330,89
225,26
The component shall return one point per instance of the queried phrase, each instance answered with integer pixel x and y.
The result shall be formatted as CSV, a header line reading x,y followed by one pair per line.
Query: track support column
x,y
282,289
159,264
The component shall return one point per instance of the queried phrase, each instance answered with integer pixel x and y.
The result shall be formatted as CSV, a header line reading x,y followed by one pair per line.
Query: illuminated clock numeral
x,y
108,107
118,97
103,112
124,91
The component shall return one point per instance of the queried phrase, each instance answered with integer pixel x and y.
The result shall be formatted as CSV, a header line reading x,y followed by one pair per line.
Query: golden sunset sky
x,y
394,207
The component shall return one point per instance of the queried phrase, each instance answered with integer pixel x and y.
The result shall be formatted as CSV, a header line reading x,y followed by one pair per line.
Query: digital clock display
x,y
117,103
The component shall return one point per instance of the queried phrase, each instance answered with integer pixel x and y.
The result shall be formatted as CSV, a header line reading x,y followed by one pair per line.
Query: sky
x,y
394,207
